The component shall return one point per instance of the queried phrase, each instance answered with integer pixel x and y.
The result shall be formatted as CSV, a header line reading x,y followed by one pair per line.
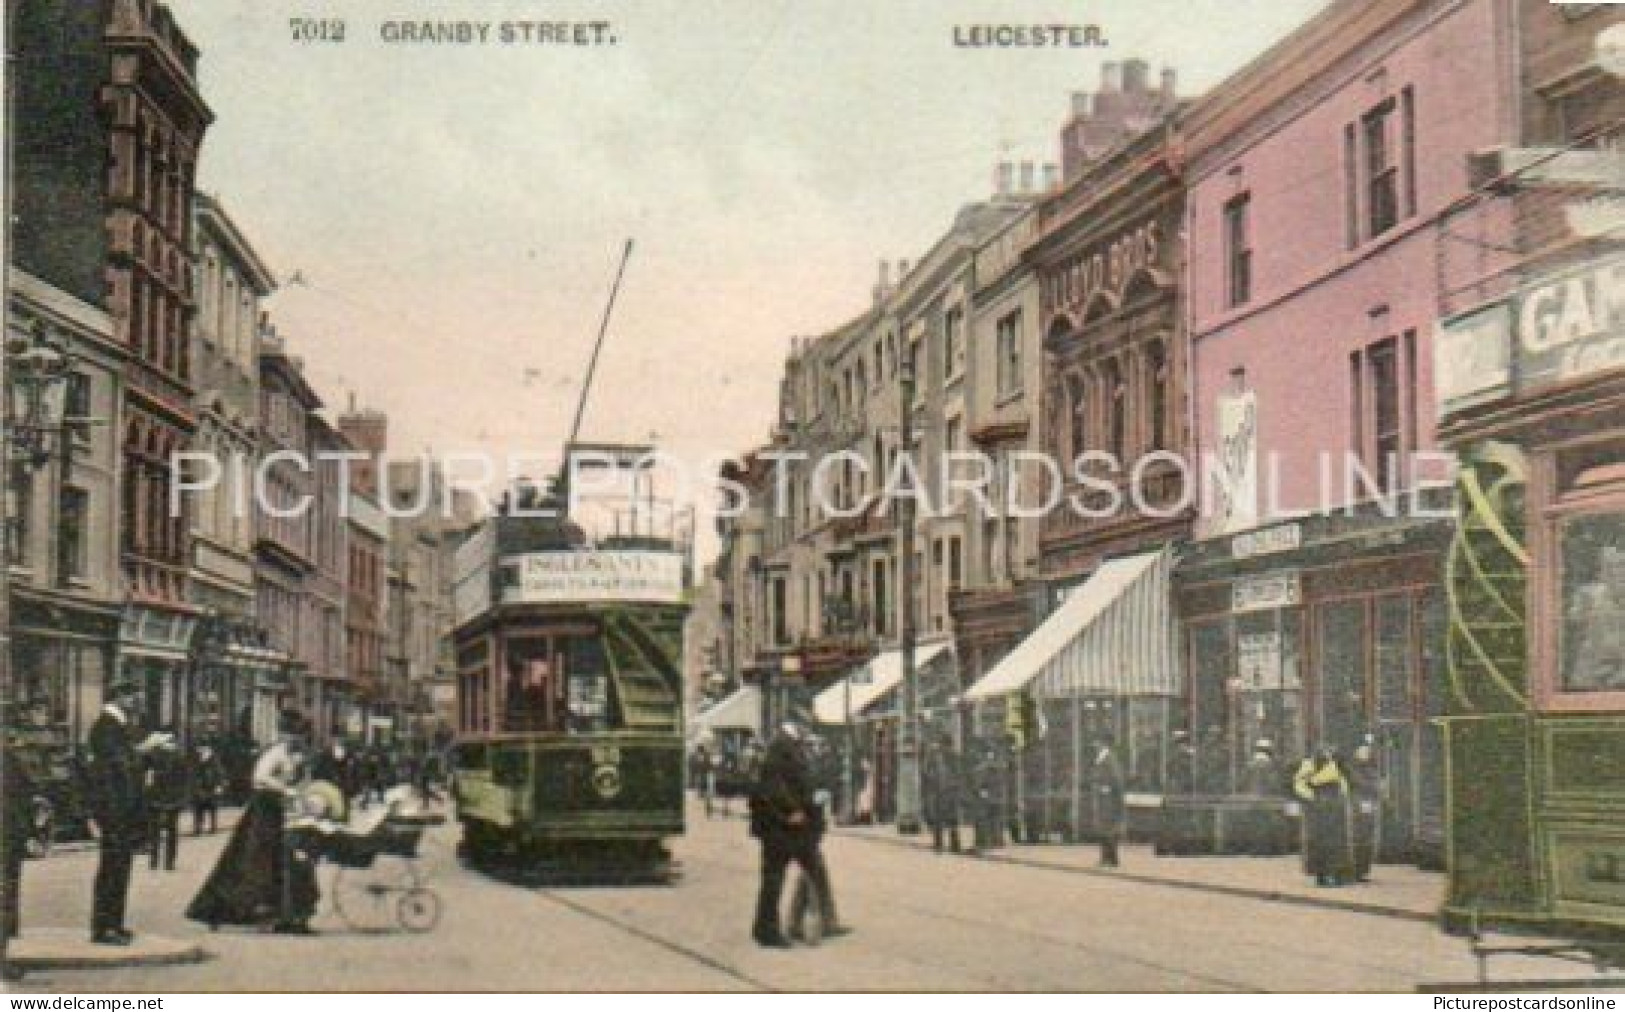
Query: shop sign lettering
x,y
1107,269
1261,593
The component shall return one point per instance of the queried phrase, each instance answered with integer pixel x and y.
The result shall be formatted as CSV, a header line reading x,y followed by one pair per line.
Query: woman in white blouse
x,y
260,880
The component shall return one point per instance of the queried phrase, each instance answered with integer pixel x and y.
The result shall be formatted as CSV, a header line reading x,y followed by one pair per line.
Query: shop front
x,y
1321,631
62,652
155,652
863,713
1102,667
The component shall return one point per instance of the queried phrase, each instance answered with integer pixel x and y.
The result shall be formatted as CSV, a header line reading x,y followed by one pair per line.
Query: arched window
x,y
1116,411
1157,382
1077,400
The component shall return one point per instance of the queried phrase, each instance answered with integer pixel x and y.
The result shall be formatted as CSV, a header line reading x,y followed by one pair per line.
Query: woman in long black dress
x,y
260,880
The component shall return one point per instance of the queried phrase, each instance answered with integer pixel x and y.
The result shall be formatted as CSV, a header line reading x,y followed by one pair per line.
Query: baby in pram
x,y
324,828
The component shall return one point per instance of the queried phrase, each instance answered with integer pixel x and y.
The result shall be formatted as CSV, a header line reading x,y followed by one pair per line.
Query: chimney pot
x,y
1110,79
1052,175
1169,77
1027,185
1002,182
1080,103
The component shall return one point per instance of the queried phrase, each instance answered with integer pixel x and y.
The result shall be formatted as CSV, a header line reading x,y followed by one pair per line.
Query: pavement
x,y
1394,890
1029,919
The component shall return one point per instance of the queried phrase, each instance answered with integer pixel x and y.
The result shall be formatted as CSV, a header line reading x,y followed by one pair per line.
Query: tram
x,y
1534,655
569,750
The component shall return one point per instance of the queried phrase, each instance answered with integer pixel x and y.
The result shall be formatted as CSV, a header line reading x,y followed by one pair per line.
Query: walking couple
x,y
790,825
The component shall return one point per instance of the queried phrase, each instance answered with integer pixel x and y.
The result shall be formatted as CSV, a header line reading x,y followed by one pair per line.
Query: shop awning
x,y
871,682
741,711
1114,635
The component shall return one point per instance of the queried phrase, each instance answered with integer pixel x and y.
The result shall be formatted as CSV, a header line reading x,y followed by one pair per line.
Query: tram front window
x,y
558,685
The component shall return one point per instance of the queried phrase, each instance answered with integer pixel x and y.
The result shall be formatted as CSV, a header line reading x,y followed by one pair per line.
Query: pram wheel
x,y
418,910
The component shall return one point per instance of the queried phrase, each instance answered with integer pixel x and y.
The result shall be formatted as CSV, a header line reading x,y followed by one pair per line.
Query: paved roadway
x,y
923,922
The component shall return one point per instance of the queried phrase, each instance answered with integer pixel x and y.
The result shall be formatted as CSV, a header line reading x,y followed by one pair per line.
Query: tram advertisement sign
x,y
592,577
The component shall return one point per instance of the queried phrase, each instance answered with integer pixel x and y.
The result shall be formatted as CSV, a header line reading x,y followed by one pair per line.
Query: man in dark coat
x,y
18,799
117,809
941,790
1107,787
784,816
1365,796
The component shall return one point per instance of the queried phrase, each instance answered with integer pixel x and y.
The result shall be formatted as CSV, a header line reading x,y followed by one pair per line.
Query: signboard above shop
x,y
591,577
1563,326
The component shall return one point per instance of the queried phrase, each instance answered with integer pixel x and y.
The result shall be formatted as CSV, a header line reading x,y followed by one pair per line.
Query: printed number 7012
x,y
317,29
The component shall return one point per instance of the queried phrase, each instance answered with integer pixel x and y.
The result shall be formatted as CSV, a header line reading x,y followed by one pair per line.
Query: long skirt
x,y
1329,851
258,880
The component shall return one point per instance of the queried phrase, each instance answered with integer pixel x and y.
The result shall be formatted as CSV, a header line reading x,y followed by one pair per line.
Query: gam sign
x,y
1572,325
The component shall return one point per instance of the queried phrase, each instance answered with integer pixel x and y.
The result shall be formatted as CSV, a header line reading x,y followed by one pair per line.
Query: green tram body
x,y
535,783
1534,797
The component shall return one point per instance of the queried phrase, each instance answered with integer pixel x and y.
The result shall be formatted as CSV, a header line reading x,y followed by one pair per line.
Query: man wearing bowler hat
x,y
117,810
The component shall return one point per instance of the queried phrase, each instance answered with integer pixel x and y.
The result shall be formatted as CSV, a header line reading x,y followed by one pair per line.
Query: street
x,y
923,922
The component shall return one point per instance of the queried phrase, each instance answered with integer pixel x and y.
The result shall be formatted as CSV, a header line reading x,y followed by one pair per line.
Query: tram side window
x,y
589,706
529,703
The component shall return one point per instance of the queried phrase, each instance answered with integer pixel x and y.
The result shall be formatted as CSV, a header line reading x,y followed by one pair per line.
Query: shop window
x,y
1344,633
1393,649
1210,670
1592,553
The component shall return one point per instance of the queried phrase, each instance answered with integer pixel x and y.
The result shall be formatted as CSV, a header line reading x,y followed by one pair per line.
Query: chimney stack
x,y
1135,75
902,270
1080,104
1052,176
1110,79
1002,179
1169,76
1027,184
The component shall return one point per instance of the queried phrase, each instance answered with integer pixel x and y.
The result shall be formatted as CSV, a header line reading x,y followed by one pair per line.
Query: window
x,y
20,493
1351,187
1387,444
76,404
953,343
1381,171
1008,348
1238,254
1157,369
781,612
1077,399
1117,406
1407,115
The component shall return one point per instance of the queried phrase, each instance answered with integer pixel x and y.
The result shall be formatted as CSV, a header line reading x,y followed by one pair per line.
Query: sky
x,y
446,220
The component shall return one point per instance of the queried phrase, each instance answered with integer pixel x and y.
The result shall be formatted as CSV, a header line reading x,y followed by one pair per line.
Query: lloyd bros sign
x,y
594,577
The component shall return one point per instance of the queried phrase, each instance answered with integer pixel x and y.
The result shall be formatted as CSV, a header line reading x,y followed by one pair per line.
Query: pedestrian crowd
x,y
1331,803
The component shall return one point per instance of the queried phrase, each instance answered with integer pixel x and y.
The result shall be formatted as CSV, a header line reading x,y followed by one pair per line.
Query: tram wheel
x,y
418,910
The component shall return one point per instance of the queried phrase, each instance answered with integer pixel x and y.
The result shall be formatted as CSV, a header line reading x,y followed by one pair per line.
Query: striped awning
x,y
1114,635
741,711
872,681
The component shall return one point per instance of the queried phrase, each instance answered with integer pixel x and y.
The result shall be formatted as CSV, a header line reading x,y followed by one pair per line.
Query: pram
x,y
378,878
